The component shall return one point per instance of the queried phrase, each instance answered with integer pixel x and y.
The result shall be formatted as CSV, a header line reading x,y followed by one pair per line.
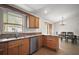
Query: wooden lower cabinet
x,y
13,47
16,47
3,48
21,46
13,51
53,42
44,41
24,48
39,42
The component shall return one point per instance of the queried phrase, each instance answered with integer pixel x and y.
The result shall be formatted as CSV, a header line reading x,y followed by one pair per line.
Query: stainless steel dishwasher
x,y
33,45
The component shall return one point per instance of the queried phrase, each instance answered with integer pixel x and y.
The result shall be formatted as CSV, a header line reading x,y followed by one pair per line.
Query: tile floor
x,y
65,48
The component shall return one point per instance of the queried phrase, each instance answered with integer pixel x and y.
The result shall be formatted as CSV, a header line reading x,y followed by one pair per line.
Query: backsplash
x,y
7,36
15,35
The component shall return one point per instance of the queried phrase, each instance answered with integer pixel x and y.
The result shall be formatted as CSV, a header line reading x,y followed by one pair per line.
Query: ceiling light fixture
x,y
45,11
62,21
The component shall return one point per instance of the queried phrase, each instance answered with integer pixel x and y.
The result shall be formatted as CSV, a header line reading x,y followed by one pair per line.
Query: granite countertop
x,y
9,39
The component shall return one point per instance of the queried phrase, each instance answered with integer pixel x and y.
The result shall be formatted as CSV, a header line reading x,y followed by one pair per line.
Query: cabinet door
x,y
13,47
3,48
37,22
39,42
53,43
13,50
44,41
1,51
24,48
31,21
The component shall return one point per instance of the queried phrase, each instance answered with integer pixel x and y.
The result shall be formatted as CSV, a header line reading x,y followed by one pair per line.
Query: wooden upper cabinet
x,y
37,22
33,22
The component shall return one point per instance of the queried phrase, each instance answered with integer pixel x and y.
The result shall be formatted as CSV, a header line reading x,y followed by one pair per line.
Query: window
x,y
13,22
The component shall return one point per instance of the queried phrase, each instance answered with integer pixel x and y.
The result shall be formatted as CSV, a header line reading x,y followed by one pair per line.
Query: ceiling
x,y
54,12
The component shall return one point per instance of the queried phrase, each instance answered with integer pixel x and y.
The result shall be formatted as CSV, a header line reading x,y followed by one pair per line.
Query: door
x,y
49,29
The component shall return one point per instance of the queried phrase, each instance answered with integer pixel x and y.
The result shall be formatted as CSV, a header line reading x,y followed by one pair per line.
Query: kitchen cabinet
x,y
18,47
37,22
3,48
24,47
13,50
44,41
52,42
33,22
1,51
13,47
39,42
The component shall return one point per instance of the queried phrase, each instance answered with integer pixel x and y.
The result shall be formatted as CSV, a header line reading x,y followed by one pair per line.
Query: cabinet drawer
x,y
13,43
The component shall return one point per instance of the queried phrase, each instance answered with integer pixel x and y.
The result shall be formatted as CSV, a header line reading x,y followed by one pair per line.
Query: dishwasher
x,y
33,45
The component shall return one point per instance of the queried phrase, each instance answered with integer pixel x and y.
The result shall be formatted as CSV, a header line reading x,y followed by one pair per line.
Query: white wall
x,y
43,26
71,25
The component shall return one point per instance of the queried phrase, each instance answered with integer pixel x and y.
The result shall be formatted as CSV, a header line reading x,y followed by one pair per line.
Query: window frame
x,y
15,25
